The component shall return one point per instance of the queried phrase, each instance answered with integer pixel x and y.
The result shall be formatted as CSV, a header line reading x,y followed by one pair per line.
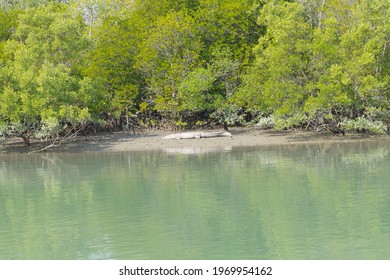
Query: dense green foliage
x,y
182,63
333,67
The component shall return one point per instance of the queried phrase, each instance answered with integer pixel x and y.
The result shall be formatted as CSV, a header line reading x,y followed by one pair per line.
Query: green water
x,y
328,201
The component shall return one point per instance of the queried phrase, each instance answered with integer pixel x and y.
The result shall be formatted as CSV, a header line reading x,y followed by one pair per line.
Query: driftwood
x,y
198,135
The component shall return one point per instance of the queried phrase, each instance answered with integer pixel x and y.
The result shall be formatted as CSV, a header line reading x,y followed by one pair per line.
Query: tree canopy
x,y
64,64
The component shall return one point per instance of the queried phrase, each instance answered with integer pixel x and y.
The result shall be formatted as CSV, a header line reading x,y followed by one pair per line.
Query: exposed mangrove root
x,y
332,127
61,139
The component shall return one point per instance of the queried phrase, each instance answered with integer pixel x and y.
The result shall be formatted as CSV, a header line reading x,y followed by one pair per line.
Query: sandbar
x,y
153,140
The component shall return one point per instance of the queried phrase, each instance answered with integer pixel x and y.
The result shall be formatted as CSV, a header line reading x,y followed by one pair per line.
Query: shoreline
x,y
153,140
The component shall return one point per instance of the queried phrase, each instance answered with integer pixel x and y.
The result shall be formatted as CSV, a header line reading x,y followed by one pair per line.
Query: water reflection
x,y
196,150
325,201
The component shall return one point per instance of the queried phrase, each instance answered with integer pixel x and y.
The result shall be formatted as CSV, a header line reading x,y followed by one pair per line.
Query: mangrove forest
x,y
84,65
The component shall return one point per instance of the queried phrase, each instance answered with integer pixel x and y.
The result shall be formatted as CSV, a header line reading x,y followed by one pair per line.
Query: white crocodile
x,y
198,135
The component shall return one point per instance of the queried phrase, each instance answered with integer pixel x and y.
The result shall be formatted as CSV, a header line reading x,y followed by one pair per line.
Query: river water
x,y
328,201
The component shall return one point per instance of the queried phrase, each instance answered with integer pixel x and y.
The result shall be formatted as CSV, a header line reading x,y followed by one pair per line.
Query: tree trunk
x,y
26,138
